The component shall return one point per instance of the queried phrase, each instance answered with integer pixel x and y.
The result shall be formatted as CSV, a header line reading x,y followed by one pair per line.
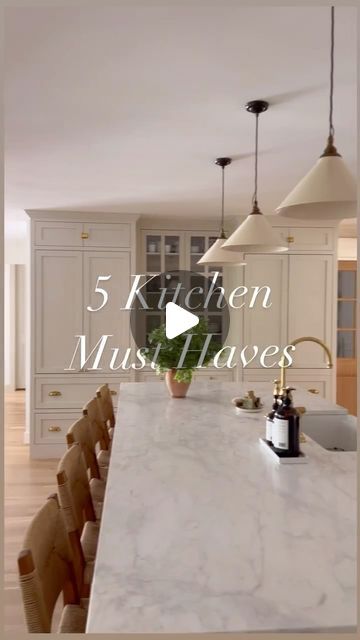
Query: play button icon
x,y
178,320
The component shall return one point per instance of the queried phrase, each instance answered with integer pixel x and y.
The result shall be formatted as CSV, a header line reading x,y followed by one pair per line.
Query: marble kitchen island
x,y
203,532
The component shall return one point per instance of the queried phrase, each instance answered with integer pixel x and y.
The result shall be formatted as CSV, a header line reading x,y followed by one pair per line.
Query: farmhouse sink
x,y
335,432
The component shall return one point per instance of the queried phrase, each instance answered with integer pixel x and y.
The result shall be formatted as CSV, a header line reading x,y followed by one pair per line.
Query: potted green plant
x,y
178,379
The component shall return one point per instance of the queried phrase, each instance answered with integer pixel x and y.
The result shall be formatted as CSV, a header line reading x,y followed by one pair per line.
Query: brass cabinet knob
x,y
315,391
54,394
290,239
53,429
84,235
113,392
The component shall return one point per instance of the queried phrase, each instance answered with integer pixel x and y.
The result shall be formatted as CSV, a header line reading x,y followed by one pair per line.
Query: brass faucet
x,y
297,341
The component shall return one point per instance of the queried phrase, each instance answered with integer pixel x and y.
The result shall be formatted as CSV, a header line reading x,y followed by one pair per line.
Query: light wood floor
x,y
27,485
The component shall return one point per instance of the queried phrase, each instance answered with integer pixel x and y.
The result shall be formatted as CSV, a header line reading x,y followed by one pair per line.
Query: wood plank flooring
x,y
27,485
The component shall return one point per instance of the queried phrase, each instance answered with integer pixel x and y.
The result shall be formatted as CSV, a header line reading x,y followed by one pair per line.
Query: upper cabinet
x,y
107,235
86,235
308,239
58,234
167,251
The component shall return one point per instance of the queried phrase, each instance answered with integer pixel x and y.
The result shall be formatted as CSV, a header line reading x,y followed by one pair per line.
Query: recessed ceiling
x,y
125,108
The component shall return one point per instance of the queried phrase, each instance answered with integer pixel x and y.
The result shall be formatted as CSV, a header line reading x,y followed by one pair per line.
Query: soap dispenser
x,y
286,427
270,416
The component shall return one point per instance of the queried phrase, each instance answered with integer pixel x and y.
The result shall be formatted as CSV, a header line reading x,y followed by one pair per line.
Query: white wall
x,y
347,249
16,253
9,325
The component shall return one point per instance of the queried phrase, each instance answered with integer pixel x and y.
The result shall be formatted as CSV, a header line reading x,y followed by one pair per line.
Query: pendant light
x,y
216,254
328,191
255,234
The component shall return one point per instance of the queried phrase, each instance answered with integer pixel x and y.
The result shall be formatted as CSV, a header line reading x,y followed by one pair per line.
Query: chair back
x,y
74,489
103,394
80,431
98,427
46,567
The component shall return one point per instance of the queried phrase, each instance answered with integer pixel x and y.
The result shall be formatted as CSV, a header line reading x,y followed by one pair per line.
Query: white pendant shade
x,y
255,235
216,255
327,192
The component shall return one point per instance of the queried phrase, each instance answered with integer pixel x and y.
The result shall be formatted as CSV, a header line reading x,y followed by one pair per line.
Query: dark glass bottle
x,y
270,416
286,428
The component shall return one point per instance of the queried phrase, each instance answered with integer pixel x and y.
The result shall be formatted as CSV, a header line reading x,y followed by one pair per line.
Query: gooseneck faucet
x,y
329,364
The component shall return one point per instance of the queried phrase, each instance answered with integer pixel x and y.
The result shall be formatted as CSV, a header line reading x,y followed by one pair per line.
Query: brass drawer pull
x,y
315,391
290,239
84,235
113,392
54,394
54,429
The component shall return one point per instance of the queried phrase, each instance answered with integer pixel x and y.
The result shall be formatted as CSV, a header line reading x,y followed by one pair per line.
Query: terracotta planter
x,y
175,388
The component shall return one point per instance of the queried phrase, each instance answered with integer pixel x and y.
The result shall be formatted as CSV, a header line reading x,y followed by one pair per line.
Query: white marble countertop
x,y
201,531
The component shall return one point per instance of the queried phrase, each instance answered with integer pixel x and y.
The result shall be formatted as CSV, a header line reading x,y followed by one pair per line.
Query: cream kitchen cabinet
x,y
58,393
68,254
311,309
302,305
91,234
111,319
57,308
65,291
57,233
308,239
316,381
264,326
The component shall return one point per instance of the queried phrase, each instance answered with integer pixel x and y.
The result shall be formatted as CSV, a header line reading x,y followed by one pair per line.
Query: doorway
x,y
346,377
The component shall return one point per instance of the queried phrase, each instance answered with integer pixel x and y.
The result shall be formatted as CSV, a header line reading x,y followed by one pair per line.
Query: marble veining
x,y
201,531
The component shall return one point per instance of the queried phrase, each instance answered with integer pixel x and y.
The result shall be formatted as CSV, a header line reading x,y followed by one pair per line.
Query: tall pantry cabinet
x,y
68,254
301,304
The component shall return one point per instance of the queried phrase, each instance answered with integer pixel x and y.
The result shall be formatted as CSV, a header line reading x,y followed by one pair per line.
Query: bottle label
x,y
280,434
268,431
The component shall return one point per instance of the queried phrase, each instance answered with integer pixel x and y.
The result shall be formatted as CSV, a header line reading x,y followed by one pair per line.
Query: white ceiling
x,y
125,108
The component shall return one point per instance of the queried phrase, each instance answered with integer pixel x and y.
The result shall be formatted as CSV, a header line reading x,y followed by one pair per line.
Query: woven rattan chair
x,y
99,432
46,569
76,501
80,432
103,394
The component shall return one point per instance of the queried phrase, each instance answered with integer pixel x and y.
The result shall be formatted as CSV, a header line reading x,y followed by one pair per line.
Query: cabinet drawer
x,y
107,235
58,393
319,384
51,428
58,234
150,376
214,374
199,376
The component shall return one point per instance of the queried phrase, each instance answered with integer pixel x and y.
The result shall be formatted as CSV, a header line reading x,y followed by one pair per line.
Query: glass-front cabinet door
x,y
197,244
163,253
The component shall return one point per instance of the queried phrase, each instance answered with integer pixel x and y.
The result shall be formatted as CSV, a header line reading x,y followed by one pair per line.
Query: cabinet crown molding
x,y
81,216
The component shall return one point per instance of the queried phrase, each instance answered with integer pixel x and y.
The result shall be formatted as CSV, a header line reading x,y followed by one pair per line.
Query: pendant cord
x,y
254,198
222,230
331,126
